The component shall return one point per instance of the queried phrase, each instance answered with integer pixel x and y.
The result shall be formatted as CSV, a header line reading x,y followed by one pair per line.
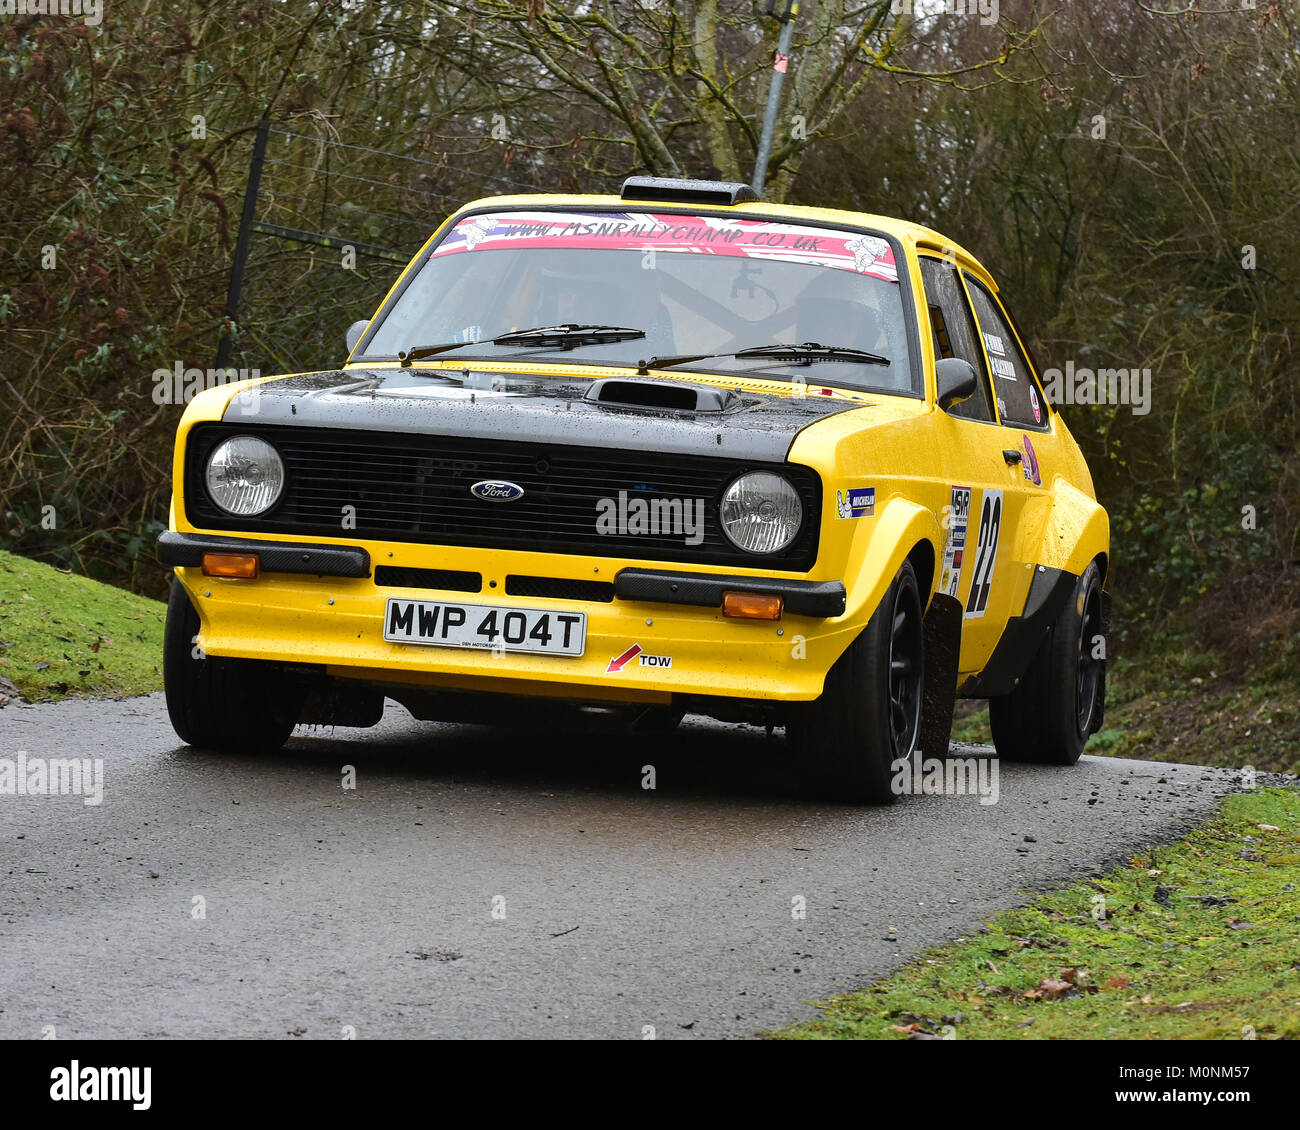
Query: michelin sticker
x,y
856,502
955,546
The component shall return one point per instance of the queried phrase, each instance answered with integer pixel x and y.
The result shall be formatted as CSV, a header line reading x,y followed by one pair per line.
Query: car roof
x,y
907,232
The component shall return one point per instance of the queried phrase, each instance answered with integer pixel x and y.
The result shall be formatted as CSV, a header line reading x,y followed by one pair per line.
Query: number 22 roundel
x,y
986,554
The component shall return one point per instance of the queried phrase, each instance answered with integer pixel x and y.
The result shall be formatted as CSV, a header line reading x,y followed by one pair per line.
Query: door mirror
x,y
354,333
955,380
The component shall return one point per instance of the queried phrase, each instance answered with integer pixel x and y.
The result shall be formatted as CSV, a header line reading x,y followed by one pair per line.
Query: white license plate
x,y
441,624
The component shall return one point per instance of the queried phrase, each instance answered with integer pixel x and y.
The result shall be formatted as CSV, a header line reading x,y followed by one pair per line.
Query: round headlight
x,y
761,512
245,475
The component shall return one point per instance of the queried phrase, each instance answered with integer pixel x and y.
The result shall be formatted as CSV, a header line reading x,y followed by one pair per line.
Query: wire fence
x,y
326,226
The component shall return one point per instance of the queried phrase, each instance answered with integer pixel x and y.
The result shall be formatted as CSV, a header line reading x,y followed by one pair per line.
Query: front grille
x,y
415,488
560,588
449,580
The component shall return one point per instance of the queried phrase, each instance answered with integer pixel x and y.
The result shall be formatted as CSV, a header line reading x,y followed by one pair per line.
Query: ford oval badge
x,y
497,490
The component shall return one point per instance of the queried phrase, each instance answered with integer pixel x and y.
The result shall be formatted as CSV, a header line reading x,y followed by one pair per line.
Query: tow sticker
x,y
954,548
643,658
986,554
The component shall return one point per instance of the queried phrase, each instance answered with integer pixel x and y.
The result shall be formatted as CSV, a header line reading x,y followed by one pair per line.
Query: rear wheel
x,y
232,705
1048,718
869,714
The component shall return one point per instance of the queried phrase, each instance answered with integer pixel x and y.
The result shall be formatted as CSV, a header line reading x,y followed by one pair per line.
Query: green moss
x,y
1176,704
62,635
1197,942
972,728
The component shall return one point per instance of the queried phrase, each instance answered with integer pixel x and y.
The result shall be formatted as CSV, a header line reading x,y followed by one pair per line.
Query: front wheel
x,y
869,714
231,705
1049,716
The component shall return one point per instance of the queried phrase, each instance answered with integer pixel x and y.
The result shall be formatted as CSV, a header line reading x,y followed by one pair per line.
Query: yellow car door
x,y
1028,427
980,566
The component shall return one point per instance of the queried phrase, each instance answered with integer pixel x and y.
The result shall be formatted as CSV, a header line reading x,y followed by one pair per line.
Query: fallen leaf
x,y
1049,987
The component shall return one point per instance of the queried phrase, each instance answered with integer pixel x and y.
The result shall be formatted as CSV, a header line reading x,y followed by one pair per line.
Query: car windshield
x,y
694,284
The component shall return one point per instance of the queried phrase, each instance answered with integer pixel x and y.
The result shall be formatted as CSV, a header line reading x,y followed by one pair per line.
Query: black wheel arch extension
x,y
1024,634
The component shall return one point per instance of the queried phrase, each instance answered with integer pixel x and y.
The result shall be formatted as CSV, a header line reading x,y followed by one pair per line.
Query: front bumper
x,y
275,556
318,603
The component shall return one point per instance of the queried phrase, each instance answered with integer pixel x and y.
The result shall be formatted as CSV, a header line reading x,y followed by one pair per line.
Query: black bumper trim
x,y
704,590
273,556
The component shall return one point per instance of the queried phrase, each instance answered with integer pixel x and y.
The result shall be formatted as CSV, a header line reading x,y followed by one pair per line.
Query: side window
x,y
1020,401
954,332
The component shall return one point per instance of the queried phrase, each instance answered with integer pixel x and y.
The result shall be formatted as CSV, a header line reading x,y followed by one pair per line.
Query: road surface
x,y
489,883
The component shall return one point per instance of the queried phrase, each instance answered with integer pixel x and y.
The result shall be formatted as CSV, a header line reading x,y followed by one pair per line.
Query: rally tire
x,y
1059,702
228,705
868,717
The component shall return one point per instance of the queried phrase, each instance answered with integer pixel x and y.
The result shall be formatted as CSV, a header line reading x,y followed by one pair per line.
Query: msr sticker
x,y
1030,464
955,546
1033,403
856,502
986,554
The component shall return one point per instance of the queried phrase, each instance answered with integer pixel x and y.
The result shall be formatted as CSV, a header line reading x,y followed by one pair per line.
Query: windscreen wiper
x,y
568,336
804,354
420,352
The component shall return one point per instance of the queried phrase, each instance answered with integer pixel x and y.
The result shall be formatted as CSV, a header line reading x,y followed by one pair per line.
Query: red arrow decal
x,y
621,661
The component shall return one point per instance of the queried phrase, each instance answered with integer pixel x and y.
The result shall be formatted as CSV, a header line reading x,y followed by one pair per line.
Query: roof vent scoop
x,y
671,396
674,190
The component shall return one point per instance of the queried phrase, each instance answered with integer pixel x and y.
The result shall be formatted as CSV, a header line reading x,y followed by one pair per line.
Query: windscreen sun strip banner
x,y
677,234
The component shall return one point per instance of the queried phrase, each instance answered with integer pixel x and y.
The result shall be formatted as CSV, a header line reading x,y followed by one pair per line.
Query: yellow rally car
x,y
673,451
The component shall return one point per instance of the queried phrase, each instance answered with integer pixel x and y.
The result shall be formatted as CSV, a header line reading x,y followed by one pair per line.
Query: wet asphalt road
x,y
378,909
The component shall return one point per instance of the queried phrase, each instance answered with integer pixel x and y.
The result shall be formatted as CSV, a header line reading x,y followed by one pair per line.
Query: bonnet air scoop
x,y
663,396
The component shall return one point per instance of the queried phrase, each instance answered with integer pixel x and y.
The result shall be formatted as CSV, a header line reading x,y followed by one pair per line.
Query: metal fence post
x,y
246,220
779,65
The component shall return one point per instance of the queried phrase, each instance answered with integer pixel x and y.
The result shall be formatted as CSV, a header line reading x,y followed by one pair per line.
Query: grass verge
x,y
62,635
1176,704
1198,941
